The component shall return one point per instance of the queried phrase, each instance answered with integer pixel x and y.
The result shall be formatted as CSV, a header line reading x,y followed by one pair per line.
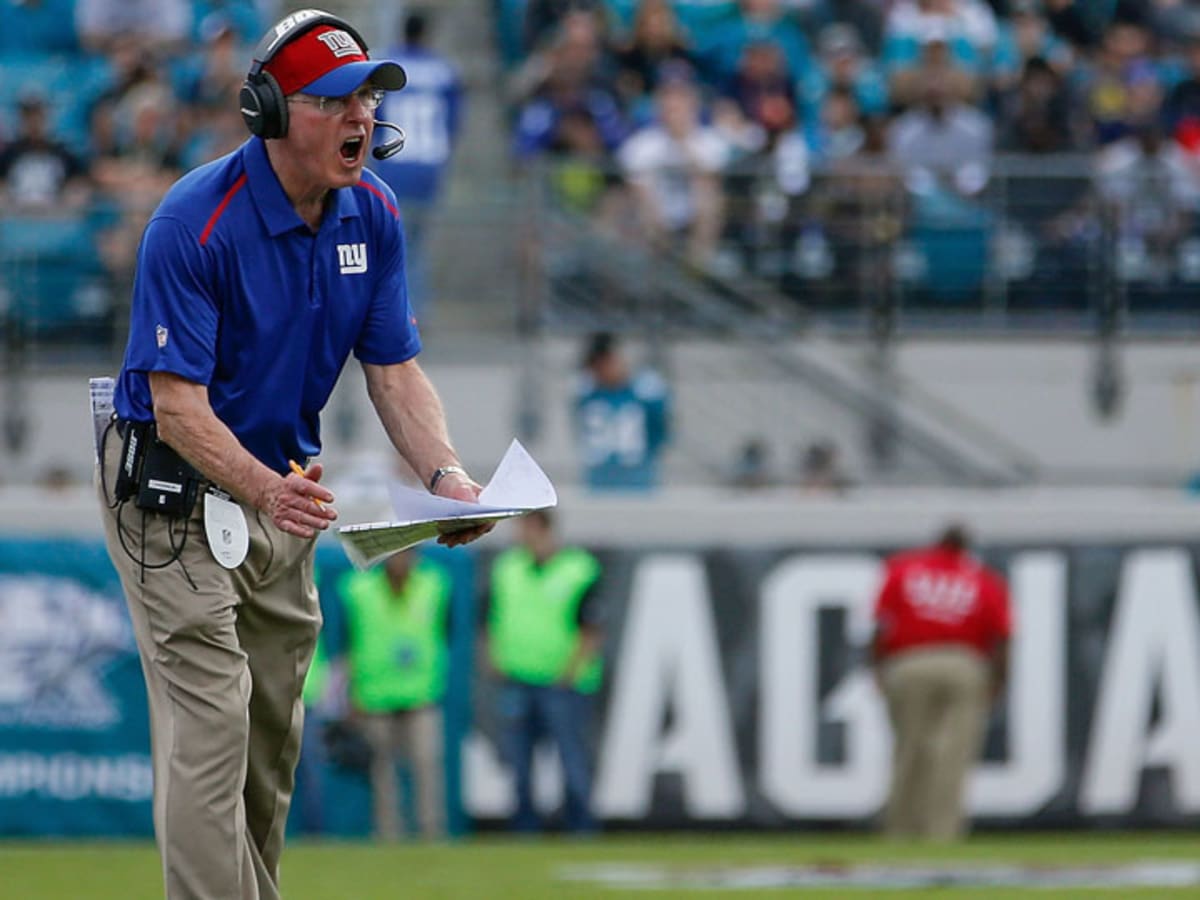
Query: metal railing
x,y
1055,245
1047,246
1043,246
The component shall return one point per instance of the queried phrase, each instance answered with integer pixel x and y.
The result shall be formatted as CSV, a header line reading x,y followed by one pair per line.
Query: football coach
x,y
257,276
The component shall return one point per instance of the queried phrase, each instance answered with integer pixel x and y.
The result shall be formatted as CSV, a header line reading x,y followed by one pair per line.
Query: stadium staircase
x,y
753,353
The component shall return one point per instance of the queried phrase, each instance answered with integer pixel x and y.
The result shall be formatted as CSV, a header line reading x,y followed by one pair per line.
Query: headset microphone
x,y
392,147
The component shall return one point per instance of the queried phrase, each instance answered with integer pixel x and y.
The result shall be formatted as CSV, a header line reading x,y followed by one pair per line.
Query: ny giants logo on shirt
x,y
339,43
352,258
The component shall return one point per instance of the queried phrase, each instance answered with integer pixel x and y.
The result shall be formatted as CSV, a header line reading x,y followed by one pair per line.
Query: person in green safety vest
x,y
543,642
397,618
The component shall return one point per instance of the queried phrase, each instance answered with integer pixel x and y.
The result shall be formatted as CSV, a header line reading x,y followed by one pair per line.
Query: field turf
x,y
488,867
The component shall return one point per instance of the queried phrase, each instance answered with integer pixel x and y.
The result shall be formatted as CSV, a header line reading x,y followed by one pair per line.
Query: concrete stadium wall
x,y
1034,395
712,517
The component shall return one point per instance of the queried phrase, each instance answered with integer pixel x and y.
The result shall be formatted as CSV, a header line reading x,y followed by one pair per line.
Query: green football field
x,y
734,865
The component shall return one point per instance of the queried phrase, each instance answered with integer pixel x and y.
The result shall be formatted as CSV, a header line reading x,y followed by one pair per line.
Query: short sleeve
x,y
173,323
389,333
888,596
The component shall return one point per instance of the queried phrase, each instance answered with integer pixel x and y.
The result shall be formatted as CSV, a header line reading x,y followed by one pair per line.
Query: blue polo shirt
x,y
234,291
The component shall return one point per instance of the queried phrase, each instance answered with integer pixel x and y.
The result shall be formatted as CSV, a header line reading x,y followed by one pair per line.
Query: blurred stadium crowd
x,y
843,148
952,151
103,104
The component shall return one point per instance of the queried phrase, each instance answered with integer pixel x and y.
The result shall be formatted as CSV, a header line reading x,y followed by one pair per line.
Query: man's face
x,y
535,535
329,145
610,370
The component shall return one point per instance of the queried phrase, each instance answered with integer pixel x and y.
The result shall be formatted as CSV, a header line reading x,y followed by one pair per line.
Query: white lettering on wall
x,y
789,772
72,777
669,661
1036,703
1153,650
1147,707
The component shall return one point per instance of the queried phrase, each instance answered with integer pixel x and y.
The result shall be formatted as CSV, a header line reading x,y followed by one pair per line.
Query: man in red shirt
x,y
940,653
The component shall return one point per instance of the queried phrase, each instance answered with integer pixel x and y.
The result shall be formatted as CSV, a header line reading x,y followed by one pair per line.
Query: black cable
x,y
103,445
141,558
179,551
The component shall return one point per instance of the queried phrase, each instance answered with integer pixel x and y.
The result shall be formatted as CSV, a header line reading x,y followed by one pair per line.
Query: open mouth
x,y
351,149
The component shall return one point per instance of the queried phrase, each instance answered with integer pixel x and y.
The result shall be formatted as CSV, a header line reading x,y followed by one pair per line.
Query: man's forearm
x,y
186,422
412,415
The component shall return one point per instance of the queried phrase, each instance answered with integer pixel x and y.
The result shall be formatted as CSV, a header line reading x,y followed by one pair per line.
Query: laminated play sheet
x,y
518,486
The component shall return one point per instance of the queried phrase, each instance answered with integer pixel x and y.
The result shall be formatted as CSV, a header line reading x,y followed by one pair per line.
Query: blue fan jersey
x,y
234,291
429,110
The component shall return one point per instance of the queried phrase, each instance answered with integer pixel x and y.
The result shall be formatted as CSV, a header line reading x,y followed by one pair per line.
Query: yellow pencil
x,y
295,467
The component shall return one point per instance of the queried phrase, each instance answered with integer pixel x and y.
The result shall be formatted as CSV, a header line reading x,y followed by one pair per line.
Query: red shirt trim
x,y
380,194
212,220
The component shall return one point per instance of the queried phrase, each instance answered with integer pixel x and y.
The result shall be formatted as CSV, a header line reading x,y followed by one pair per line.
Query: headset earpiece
x,y
263,104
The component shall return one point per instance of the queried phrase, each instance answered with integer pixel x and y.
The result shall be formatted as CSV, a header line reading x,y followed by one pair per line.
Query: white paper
x,y
516,487
101,391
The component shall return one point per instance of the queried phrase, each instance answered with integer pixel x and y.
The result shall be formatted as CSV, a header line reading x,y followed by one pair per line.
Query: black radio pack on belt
x,y
154,475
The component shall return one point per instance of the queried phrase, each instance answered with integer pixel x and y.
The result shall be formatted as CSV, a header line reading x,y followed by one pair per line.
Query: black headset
x,y
264,107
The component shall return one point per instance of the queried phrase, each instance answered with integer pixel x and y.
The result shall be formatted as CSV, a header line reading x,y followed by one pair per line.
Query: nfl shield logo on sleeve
x,y
160,336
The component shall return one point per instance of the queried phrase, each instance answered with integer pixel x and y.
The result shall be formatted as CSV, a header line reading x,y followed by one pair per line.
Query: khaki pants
x,y
937,698
224,654
412,736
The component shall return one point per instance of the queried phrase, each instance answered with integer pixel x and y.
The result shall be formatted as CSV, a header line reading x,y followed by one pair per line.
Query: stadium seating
x,y
1010,243
52,281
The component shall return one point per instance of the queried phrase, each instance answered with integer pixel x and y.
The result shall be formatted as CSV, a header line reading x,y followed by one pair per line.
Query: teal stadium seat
x,y
953,235
47,26
52,280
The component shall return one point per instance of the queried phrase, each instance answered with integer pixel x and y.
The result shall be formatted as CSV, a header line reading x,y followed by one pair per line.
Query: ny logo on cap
x,y
340,43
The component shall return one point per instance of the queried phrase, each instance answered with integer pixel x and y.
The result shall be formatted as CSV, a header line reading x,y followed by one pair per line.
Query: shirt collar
x,y
273,204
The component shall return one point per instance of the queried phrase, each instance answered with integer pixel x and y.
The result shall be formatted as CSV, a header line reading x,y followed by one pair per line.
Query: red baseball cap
x,y
328,62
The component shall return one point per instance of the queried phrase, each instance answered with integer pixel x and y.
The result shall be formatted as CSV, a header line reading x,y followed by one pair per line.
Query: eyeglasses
x,y
369,96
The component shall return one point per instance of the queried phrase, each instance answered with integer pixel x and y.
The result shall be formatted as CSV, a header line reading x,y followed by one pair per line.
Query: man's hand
x,y
457,486
299,504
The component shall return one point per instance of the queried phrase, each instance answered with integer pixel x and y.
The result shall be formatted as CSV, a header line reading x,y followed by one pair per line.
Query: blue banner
x,y
74,734
74,729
